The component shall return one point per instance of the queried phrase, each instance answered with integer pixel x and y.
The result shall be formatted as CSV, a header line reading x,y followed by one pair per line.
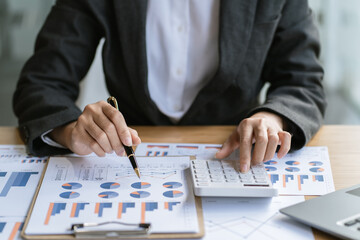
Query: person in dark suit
x,y
175,63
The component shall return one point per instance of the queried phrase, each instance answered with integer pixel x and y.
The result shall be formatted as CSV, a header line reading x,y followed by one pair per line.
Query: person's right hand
x,y
101,129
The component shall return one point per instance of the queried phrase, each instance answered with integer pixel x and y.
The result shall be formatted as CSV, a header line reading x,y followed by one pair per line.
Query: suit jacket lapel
x,y
236,21
131,23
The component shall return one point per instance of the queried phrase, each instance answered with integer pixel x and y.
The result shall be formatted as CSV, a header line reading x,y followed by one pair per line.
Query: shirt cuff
x,y
46,139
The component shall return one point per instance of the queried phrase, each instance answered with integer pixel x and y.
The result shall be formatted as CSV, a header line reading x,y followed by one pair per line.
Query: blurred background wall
x,y
338,22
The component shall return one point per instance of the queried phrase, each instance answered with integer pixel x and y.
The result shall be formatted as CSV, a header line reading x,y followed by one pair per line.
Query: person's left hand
x,y
266,130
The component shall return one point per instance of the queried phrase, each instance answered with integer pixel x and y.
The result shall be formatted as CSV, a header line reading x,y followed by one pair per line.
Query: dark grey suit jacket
x,y
260,41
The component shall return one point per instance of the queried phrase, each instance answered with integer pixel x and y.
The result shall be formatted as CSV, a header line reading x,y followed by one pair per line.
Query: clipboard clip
x,y
91,230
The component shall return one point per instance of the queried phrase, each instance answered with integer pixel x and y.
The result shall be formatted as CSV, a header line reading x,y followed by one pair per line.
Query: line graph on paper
x,y
244,227
150,174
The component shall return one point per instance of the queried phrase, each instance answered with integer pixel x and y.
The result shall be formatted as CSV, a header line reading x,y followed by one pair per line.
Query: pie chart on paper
x,y
317,169
69,195
173,194
292,169
141,185
292,163
110,185
108,194
172,185
270,162
315,163
71,185
270,169
139,194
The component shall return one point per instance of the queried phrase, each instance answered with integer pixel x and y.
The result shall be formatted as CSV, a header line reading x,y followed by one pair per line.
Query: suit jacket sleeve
x,y
49,82
294,74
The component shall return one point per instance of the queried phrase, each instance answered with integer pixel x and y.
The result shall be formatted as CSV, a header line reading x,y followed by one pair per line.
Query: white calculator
x,y
219,178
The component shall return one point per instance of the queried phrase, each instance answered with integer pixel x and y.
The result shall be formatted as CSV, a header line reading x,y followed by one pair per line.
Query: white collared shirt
x,y
182,51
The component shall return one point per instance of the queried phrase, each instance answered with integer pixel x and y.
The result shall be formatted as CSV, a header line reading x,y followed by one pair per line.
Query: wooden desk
x,y
342,141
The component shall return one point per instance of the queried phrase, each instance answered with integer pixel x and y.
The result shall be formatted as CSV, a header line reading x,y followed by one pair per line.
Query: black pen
x,y
128,149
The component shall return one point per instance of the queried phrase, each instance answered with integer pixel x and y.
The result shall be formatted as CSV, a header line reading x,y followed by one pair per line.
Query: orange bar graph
x,y
299,182
313,177
97,206
120,210
47,219
14,231
166,205
284,181
143,208
73,210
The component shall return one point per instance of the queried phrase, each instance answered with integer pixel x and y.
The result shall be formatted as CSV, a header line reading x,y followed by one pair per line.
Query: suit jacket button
x,y
25,133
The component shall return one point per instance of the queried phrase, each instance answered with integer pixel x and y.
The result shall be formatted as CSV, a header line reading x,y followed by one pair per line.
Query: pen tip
x,y
137,172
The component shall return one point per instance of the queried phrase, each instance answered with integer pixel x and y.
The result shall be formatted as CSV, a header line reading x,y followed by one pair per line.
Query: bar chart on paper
x,y
201,151
83,190
19,176
10,227
304,172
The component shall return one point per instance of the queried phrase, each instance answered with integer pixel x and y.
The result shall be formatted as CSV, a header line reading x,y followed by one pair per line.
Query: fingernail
x,y
128,141
217,153
120,153
244,168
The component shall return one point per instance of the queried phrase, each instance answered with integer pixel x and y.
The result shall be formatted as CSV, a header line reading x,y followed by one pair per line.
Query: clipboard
x,y
84,231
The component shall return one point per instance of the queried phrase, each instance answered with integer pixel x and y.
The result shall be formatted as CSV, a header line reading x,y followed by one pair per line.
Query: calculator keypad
x,y
222,173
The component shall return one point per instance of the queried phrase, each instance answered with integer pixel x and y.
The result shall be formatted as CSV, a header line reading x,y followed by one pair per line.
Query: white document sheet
x,y
92,189
19,177
252,218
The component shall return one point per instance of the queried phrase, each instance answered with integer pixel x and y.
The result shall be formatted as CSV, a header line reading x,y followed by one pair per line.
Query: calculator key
x,y
201,176
233,180
217,180
247,181
350,223
232,175
204,181
214,164
200,167
203,184
201,171
217,176
216,171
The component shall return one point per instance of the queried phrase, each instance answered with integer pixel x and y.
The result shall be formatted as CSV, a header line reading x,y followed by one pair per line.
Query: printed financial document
x,y
303,172
92,189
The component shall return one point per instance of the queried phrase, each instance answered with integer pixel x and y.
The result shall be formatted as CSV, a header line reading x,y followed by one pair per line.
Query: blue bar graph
x,y
287,177
54,208
170,205
3,174
57,207
99,208
302,177
127,205
318,178
2,226
151,206
17,179
274,178
77,207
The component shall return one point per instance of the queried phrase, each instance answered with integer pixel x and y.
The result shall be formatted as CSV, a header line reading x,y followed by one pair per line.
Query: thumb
x,y
229,146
